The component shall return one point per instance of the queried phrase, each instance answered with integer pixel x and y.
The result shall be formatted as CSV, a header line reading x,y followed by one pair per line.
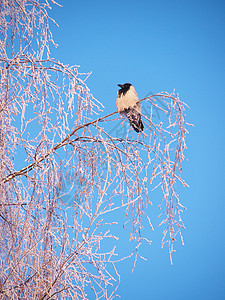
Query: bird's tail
x,y
135,119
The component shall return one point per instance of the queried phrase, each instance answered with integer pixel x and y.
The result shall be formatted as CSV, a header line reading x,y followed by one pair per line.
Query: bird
x,y
127,104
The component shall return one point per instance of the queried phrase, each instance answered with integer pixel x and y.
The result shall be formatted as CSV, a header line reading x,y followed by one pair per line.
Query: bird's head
x,y
125,86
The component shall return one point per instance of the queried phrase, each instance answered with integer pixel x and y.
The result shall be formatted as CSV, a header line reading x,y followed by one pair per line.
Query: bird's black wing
x,y
135,119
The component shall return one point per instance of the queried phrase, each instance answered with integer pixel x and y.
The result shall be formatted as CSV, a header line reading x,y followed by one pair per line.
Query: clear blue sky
x,y
161,46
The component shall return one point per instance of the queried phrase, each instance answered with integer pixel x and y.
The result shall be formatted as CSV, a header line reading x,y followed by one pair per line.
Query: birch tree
x,y
64,172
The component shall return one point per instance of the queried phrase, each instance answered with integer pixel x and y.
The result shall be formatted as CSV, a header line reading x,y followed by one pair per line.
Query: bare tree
x,y
64,172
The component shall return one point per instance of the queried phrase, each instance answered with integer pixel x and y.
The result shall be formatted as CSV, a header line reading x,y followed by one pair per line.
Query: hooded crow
x,y
127,104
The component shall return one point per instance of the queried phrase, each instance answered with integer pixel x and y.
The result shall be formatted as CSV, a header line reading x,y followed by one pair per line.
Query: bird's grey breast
x,y
127,100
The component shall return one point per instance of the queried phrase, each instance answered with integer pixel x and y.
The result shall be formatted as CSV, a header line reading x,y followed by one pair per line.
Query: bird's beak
x,y
120,85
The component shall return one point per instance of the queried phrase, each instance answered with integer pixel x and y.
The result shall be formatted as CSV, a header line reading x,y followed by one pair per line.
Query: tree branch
x,y
59,145
53,149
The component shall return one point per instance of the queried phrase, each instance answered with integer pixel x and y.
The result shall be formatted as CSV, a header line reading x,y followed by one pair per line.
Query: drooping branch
x,y
52,150
28,168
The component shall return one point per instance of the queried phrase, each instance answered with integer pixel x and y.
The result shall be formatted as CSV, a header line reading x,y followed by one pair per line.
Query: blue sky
x,y
161,46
